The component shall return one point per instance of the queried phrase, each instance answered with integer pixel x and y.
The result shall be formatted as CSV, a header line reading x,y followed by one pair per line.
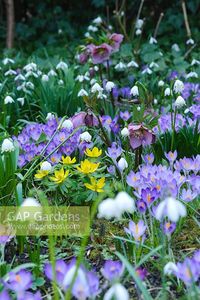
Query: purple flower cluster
x,y
124,92
164,123
191,89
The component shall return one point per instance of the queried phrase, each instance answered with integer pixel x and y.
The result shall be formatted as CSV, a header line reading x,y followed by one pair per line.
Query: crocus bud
x,y
122,164
125,132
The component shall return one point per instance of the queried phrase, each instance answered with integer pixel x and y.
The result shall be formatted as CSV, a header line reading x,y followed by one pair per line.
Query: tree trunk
x,y
10,23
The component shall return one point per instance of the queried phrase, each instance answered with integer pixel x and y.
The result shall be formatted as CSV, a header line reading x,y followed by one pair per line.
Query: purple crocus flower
x,y
196,256
125,115
100,53
19,282
142,273
80,289
60,271
171,156
140,136
188,271
112,270
30,296
114,151
149,158
142,206
149,195
188,195
168,227
111,170
133,179
136,230
4,295
93,282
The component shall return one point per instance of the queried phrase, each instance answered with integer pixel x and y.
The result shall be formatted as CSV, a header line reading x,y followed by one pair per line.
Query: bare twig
x,y
10,23
158,25
187,26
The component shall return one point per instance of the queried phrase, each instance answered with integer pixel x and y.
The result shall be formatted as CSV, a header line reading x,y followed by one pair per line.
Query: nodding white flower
x,y
175,47
190,42
39,72
96,88
125,132
109,86
122,164
30,67
153,41
170,268
186,111
195,62
87,35
20,77
30,85
62,66
85,136
93,81
139,23
138,32
97,21
120,66
82,93
117,291
45,166
153,65
138,108
167,92
192,75
178,86
30,73
134,91
161,83
96,68
92,28
60,82
50,116
45,78
60,31
10,72
70,273
21,100
155,101
7,61
7,146
52,73
8,99
67,124
171,208
132,63
30,202
115,208
80,78
147,70
180,102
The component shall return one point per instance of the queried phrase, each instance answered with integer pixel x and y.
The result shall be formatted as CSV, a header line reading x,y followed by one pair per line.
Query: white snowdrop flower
x,y
110,27
21,100
60,31
67,124
134,91
60,82
195,62
125,132
7,146
122,164
8,99
171,208
93,81
153,41
120,66
175,47
52,73
153,65
161,83
100,95
147,71
96,68
116,291
190,42
192,75
45,166
10,72
180,102
80,78
62,66
167,92
138,108
92,28
97,21
139,23
87,35
7,61
70,273
30,67
96,88
28,209
19,77
155,101
109,86
161,54
86,137
82,93
132,63
45,78
138,32
178,86
39,72
31,73
50,116
125,203
29,85
21,87
186,111
170,268
30,202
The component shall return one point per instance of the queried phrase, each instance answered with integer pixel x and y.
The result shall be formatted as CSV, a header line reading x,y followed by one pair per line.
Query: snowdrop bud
x,y
21,100
180,102
60,82
62,65
122,164
117,291
152,40
134,91
50,116
7,146
8,99
45,166
98,21
139,23
125,132
170,268
96,88
109,86
155,101
82,93
120,66
175,47
138,32
190,42
186,111
45,78
67,124
161,83
138,108
167,92
178,86
85,136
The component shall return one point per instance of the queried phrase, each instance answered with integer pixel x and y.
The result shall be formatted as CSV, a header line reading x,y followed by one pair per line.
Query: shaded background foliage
x,y
42,23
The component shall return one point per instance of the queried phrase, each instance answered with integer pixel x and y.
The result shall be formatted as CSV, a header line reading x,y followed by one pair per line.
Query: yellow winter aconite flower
x,y
96,185
88,167
41,174
60,176
95,152
68,161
